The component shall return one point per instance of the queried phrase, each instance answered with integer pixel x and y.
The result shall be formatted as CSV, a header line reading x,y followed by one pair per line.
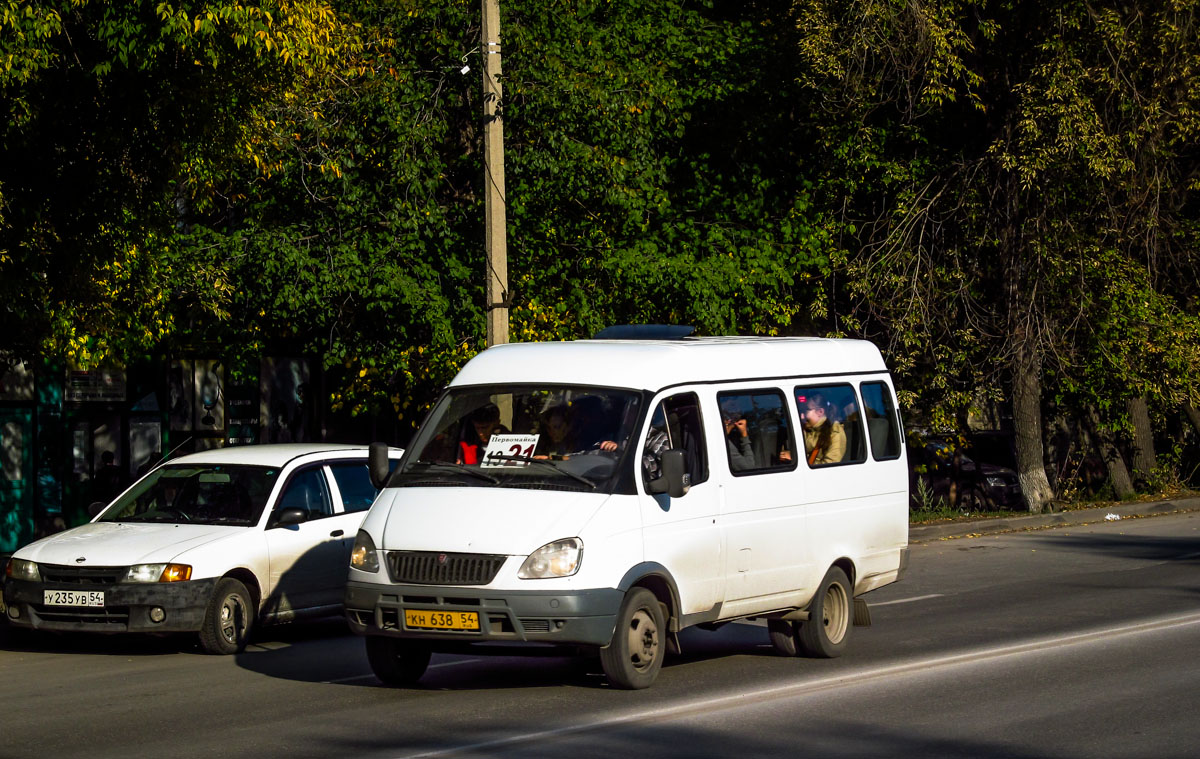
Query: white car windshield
x,y
524,436
232,494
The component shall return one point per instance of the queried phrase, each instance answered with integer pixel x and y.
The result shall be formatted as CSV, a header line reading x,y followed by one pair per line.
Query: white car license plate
x,y
73,597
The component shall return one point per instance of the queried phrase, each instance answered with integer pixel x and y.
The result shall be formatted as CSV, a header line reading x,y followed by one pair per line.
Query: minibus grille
x,y
83,576
433,568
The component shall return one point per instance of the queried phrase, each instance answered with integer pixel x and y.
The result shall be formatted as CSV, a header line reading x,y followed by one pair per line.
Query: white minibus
x,y
605,494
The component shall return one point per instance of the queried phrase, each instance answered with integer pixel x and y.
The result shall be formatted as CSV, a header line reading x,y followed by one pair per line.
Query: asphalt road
x,y
1073,642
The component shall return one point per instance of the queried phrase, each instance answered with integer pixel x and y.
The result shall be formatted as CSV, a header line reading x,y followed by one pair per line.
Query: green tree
x,y
117,120
637,191
987,153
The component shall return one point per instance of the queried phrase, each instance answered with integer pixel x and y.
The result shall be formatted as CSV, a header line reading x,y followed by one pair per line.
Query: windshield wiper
x,y
157,515
545,462
457,468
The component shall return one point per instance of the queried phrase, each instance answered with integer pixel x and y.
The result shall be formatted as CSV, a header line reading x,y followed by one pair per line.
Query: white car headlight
x,y
558,559
20,569
158,573
363,556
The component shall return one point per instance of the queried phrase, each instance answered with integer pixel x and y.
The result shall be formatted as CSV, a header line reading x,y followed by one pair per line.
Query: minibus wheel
x,y
226,626
397,662
783,637
825,633
633,657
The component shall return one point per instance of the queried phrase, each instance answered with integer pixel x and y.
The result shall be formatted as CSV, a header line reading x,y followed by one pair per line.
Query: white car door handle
x,y
336,534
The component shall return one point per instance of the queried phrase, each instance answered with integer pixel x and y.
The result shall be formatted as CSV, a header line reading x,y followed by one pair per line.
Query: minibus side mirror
x,y
95,507
378,465
674,468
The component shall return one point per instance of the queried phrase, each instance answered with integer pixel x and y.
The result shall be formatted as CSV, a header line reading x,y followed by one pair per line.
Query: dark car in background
x,y
945,471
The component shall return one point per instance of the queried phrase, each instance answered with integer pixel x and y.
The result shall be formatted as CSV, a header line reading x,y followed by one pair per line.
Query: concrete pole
x,y
493,159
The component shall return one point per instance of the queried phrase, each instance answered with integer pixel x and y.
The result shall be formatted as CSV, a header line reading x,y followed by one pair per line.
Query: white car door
x,y
353,494
308,565
682,533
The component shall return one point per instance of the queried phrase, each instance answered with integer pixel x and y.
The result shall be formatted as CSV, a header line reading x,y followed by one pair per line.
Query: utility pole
x,y
493,179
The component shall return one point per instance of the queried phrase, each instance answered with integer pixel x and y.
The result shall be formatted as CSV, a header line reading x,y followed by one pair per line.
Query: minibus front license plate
x,y
441,620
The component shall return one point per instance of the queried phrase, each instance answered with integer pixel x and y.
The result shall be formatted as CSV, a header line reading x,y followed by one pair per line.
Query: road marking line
x,y
735,700
905,600
348,679
453,663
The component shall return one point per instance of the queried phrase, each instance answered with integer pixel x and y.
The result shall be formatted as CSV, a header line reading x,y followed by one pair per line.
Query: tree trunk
x,y
1118,474
1027,418
1143,442
1192,415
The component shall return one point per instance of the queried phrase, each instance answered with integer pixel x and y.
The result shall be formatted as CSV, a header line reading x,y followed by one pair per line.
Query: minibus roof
x,y
657,364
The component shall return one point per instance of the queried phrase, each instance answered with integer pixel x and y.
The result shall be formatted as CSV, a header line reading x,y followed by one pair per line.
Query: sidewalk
x,y
972,528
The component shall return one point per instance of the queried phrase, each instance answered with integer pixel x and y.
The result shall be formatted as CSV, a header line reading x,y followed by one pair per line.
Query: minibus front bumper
x,y
464,615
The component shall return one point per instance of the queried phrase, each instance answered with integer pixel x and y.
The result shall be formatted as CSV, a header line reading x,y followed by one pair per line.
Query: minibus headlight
x,y
20,569
363,556
158,573
558,559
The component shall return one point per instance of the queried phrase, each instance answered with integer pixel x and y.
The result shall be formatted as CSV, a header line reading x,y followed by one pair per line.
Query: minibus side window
x,y
758,435
676,423
832,425
882,425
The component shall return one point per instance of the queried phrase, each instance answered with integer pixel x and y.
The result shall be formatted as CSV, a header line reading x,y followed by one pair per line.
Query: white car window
x,y
354,485
306,490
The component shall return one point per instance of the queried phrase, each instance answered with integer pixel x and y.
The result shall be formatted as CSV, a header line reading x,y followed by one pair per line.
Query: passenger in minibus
x,y
481,425
657,441
824,439
737,438
592,428
556,440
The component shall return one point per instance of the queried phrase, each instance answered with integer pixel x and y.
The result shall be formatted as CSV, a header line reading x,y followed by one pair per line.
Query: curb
x,y
974,528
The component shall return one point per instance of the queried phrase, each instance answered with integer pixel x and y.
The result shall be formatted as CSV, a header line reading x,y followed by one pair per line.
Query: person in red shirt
x,y
481,425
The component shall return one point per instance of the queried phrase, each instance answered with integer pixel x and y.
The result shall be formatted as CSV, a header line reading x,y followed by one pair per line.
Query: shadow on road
x,y
1146,548
137,644
327,653
19,639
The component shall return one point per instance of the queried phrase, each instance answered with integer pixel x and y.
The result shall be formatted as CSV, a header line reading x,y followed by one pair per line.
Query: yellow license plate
x,y
441,620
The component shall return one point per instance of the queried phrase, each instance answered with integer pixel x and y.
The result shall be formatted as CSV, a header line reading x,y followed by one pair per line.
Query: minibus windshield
x,y
230,494
570,437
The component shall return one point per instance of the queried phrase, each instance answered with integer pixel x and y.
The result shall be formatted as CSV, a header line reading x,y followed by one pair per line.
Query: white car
x,y
211,542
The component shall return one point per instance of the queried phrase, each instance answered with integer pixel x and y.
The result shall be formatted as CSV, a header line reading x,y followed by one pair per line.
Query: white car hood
x,y
507,521
118,544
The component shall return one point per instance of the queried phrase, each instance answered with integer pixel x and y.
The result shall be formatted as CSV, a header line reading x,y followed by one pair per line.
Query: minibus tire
x,y
825,634
397,662
783,637
227,621
632,659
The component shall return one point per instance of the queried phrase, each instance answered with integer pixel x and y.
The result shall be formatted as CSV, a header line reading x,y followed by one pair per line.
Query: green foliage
x,y
635,193
627,124
303,177
118,119
1014,171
